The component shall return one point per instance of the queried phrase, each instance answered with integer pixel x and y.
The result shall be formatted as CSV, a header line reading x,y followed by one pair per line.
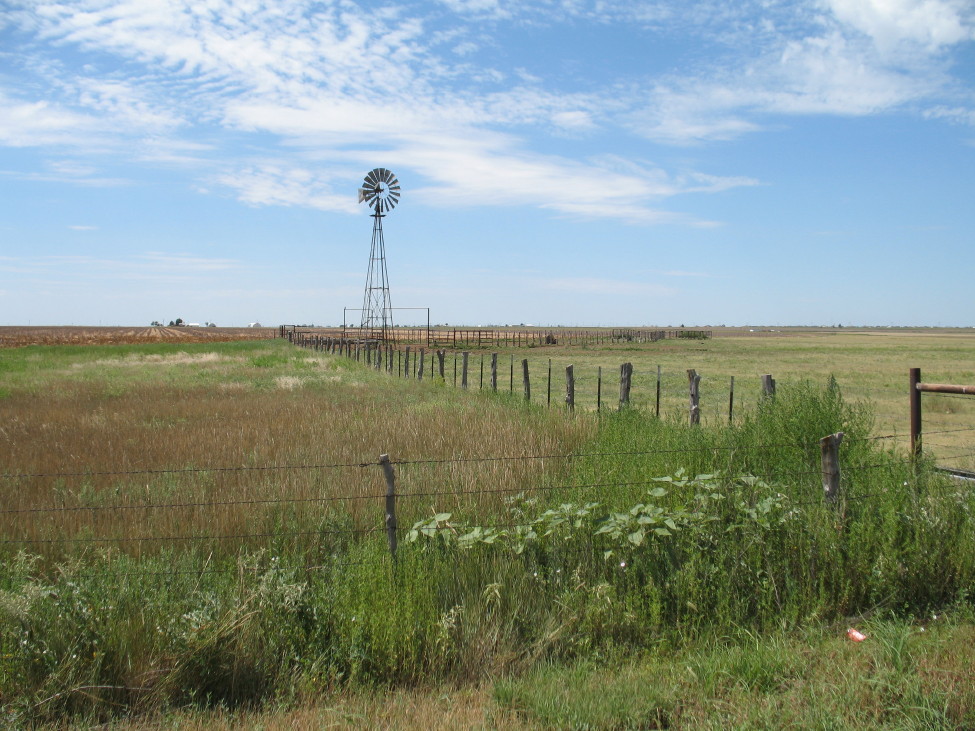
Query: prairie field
x,y
20,336
194,535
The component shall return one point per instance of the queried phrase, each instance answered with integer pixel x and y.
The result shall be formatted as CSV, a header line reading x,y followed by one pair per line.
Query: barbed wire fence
x,y
662,393
27,530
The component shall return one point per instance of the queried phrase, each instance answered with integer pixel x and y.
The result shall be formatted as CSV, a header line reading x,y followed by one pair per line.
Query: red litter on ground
x,y
855,635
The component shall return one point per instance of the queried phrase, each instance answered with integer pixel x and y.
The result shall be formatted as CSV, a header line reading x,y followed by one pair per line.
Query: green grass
x,y
906,675
700,564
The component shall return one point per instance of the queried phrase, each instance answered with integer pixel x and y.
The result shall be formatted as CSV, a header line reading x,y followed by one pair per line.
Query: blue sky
x,y
576,162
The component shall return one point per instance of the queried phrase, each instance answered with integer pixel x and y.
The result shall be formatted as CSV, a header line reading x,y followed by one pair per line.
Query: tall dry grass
x,y
212,445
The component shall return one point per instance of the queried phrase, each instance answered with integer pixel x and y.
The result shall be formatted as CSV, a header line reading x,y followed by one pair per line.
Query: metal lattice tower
x,y
380,190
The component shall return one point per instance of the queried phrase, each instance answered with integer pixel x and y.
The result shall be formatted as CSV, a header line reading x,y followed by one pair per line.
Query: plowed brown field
x,y
17,336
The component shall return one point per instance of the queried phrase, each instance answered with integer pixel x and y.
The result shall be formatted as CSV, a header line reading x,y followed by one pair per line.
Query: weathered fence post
x,y
511,383
494,372
570,388
915,400
406,363
480,383
423,357
599,389
768,385
626,378
463,375
694,381
441,357
830,457
658,392
525,380
390,502
731,402
548,398
455,368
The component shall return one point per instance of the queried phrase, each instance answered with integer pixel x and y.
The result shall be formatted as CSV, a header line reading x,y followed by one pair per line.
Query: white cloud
x,y
41,123
575,121
931,24
126,104
828,73
342,85
275,184
961,115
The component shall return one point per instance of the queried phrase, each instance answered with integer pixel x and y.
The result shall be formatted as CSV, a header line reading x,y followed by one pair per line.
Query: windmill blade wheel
x,y
380,190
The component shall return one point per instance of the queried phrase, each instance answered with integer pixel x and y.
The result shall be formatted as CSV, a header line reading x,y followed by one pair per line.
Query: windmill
x,y
380,191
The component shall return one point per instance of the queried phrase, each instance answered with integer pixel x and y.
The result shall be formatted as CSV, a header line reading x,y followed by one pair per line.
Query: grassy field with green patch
x,y
194,536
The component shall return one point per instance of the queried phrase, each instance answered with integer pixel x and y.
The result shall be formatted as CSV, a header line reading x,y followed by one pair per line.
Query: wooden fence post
x,y
915,401
830,458
525,380
599,389
548,398
463,375
658,392
626,378
511,383
694,381
480,383
768,385
390,503
441,357
731,402
423,358
406,362
570,388
494,372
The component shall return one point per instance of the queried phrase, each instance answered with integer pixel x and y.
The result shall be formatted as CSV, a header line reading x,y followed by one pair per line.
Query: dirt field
x,y
18,336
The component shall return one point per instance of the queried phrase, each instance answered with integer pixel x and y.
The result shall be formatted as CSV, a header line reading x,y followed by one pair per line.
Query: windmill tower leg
x,y
377,310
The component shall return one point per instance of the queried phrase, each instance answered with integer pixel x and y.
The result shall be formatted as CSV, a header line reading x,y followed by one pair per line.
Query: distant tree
x,y
179,322
155,323
211,324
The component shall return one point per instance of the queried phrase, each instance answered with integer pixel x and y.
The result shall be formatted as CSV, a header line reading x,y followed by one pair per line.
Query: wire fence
x,y
35,527
593,389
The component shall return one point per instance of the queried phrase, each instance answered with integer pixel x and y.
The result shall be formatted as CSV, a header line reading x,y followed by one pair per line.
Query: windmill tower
x,y
380,191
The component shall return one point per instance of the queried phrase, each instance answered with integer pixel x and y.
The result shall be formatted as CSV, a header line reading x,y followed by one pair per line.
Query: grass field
x,y
193,537
868,365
